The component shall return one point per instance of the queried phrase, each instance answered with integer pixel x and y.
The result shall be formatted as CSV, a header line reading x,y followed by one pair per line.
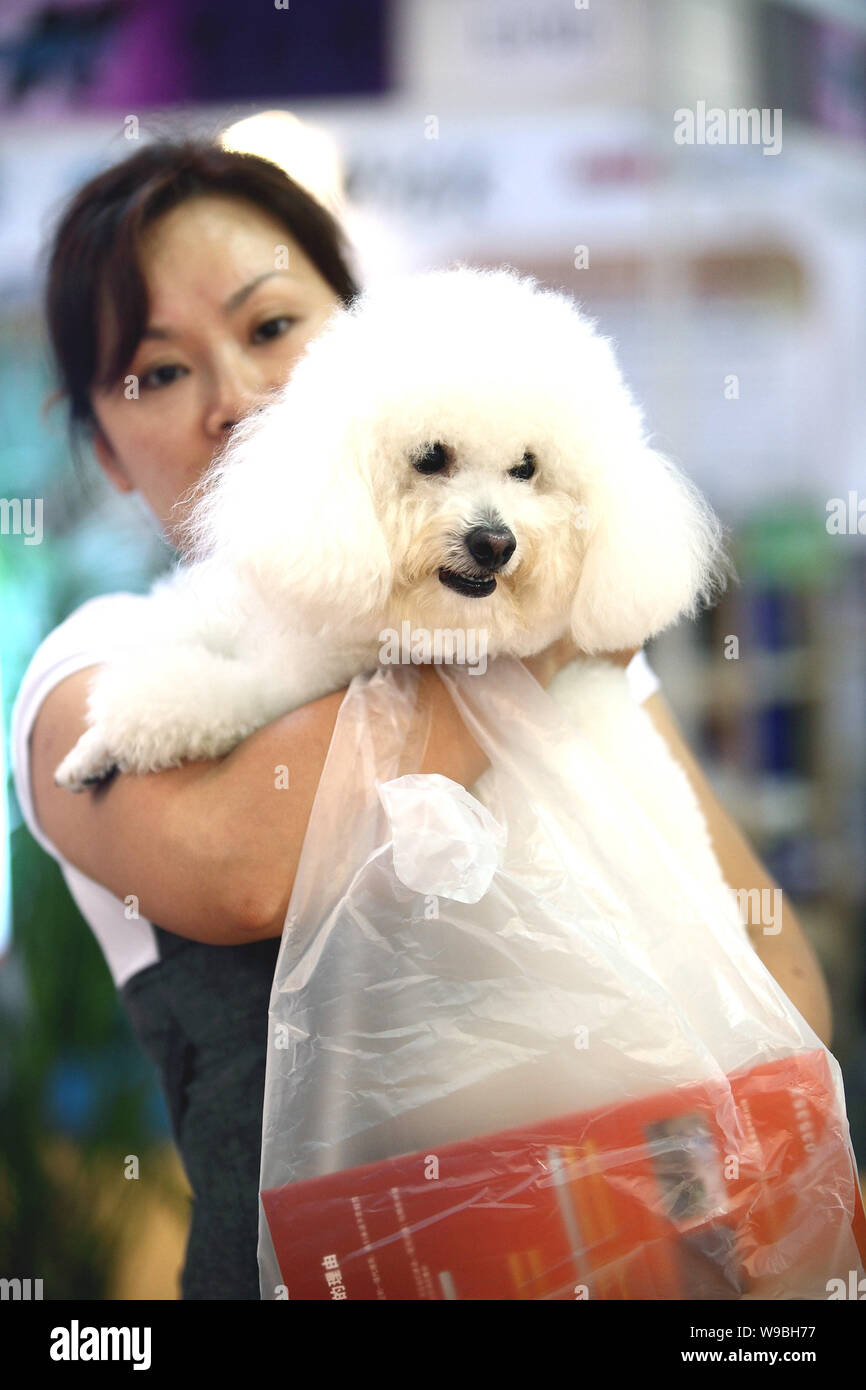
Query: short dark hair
x,y
96,251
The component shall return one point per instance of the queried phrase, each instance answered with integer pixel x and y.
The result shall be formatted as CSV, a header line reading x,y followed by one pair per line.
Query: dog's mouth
x,y
463,584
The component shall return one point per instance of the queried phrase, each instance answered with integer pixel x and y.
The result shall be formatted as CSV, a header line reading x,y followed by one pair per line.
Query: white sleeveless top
x,y
88,637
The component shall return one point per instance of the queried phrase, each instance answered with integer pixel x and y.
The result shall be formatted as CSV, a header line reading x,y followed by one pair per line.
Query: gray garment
x,y
201,1015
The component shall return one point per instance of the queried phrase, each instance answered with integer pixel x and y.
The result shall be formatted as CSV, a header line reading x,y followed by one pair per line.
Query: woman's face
x,y
233,303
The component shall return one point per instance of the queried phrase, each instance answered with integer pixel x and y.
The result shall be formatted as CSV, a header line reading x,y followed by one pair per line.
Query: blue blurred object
x,y
782,738
82,1089
776,618
72,1099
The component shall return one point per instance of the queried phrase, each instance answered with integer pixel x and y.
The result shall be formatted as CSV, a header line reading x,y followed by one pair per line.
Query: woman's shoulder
x,y
102,619
89,634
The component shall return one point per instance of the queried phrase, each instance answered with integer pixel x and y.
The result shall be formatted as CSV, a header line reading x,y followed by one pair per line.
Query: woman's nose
x,y
236,391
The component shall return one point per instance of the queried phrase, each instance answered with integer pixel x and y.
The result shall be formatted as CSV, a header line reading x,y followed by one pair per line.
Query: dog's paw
x,y
89,761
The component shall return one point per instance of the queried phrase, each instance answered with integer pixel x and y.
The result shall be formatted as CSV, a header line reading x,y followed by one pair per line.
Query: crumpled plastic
x,y
519,1048
445,841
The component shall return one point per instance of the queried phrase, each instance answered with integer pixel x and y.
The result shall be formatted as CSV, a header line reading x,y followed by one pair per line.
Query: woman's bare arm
x,y
210,849
787,953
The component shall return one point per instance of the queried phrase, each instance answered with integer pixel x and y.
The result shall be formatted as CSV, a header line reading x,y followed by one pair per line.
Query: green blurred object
x,y
790,545
76,1093
58,1002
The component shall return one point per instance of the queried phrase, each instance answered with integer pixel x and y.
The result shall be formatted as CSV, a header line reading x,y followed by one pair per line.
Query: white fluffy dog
x,y
458,451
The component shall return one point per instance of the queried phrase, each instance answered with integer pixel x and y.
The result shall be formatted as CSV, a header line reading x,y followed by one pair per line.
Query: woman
x,y
184,284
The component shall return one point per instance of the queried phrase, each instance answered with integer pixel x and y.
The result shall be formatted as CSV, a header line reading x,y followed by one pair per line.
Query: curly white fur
x,y
315,531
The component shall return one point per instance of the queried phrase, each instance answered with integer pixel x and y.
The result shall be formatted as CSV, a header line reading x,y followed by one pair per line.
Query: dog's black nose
x,y
490,546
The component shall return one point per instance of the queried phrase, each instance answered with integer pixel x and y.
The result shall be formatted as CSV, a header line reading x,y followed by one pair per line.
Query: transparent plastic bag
x,y
520,1048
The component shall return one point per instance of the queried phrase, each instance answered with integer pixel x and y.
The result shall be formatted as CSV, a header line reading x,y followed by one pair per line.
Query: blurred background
x,y
543,134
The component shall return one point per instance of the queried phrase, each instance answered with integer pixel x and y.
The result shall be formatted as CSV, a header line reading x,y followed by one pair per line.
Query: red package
x,y
700,1192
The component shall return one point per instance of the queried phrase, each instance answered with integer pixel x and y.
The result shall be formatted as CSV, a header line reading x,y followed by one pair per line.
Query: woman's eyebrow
x,y
233,302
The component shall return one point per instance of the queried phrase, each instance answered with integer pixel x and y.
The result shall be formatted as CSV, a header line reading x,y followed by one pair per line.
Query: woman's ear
x,y
653,554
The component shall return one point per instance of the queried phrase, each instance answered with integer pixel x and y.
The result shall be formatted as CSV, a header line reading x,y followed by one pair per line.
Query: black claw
x,y
101,777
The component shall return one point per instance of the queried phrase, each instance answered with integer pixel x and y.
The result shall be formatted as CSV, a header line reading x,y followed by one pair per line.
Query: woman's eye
x,y
526,468
273,328
161,376
432,459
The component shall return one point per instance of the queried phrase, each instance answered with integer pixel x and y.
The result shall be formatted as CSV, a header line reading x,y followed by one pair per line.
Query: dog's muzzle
x,y
491,547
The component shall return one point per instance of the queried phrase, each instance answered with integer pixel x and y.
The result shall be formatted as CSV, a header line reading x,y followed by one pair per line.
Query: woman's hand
x,y
544,665
622,658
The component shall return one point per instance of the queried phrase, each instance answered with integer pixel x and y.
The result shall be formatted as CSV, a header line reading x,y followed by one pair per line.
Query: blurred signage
x,y
525,175
128,55
513,52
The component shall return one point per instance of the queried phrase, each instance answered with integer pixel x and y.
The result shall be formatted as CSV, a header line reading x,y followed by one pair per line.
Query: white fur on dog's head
x,y
317,501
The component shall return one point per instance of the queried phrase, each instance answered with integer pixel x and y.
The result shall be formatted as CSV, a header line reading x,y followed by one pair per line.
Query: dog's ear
x,y
289,507
654,552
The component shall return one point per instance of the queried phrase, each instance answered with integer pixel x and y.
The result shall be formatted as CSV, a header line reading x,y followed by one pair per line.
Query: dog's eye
x,y
524,469
432,460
